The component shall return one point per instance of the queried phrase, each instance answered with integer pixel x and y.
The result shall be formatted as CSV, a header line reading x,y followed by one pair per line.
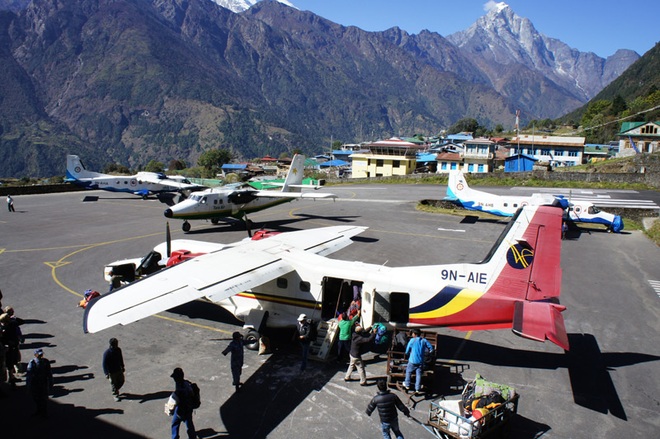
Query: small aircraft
x,y
237,200
142,183
271,281
577,211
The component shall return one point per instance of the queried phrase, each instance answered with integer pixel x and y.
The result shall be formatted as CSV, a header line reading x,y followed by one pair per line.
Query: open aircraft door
x,y
384,307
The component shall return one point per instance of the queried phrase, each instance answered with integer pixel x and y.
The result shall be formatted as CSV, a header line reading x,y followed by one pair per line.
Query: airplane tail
x,y
75,169
294,177
521,279
527,258
457,187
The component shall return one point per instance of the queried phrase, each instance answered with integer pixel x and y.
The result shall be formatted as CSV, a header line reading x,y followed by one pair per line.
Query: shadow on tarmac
x,y
63,421
588,367
271,394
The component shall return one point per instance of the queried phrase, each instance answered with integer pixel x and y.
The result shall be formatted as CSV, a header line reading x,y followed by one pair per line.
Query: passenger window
x,y
305,286
282,283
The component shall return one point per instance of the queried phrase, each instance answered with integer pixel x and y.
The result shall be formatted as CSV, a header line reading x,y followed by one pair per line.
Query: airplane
x,y
237,200
577,211
269,282
142,183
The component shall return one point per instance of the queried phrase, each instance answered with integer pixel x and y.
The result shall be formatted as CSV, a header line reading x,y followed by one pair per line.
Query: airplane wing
x,y
223,273
175,185
278,194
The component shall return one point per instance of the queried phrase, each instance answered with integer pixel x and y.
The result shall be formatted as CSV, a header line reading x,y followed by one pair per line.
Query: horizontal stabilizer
x,y
540,321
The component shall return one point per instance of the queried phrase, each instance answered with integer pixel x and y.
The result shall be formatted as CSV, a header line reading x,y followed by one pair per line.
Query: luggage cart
x,y
449,418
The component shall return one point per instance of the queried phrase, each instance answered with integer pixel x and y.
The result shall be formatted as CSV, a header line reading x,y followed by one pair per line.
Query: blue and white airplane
x,y
142,183
577,211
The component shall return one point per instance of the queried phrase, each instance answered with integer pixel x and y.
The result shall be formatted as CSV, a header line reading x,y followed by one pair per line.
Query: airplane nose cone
x,y
168,213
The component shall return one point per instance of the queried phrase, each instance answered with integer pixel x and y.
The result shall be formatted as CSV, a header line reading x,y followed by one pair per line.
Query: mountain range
x,y
128,81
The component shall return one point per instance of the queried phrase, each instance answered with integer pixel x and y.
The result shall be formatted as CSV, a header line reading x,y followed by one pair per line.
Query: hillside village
x,y
519,153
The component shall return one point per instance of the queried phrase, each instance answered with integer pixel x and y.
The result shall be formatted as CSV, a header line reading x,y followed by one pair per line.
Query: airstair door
x,y
326,333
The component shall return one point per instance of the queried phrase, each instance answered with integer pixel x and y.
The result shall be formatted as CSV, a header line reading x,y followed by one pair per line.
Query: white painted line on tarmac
x,y
655,284
451,230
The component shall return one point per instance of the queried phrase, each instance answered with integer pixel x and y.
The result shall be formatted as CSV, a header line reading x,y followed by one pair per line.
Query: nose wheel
x,y
185,227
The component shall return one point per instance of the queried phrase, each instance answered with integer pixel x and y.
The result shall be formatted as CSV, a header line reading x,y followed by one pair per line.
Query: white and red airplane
x,y
516,286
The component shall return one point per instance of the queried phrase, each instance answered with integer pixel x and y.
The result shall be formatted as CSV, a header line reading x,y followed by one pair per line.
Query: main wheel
x,y
214,221
185,226
251,340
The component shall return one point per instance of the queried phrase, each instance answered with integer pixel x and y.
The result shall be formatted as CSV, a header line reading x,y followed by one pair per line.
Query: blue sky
x,y
599,26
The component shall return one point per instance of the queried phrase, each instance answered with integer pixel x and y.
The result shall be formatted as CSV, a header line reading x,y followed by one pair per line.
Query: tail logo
x,y
77,169
459,186
520,256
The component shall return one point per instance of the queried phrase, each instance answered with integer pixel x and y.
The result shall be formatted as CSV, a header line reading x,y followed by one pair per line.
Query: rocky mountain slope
x,y
133,80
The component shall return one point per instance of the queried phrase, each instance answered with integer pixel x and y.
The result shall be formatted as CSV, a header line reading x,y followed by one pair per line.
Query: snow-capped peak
x,y
242,5
497,7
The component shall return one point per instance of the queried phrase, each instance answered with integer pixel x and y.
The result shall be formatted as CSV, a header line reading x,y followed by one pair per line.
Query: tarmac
x,y
54,247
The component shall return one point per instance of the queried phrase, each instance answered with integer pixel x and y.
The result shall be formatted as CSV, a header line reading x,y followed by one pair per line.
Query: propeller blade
x,y
168,239
247,225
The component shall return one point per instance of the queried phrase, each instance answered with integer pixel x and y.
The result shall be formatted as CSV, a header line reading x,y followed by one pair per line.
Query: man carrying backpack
x,y
182,401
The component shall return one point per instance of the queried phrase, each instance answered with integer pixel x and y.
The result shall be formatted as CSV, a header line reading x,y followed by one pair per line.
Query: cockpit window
x,y
593,210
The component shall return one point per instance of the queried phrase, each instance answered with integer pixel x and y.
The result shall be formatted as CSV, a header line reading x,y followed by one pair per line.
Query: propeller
x,y
247,225
168,239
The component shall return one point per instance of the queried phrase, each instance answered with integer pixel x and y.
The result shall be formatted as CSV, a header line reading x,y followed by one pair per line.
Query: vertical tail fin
x,y
528,263
295,175
75,169
457,187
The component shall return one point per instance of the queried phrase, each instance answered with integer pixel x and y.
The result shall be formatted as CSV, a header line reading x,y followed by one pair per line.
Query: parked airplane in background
x,y
578,211
237,200
142,183
271,281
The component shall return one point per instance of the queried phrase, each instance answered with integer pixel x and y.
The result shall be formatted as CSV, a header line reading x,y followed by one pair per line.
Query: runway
x,y
55,246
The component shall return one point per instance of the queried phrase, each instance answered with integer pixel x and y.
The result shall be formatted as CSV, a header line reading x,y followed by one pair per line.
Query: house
x,y
449,161
385,158
519,163
478,155
636,137
555,150
594,152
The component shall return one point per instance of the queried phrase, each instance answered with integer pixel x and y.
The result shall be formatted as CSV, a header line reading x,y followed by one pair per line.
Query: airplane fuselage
x,y
215,204
128,184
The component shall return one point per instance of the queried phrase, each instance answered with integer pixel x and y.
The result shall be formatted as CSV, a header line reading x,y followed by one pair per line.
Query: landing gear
x,y
215,221
185,227
251,340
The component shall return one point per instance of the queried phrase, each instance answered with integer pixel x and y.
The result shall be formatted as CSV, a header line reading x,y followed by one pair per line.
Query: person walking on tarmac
x,y
387,404
182,405
236,360
10,204
39,380
113,367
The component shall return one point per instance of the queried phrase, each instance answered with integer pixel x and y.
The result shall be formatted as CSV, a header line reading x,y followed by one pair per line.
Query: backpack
x,y
381,333
196,401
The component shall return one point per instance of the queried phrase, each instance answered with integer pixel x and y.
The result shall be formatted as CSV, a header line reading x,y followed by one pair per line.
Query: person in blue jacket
x,y
417,347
